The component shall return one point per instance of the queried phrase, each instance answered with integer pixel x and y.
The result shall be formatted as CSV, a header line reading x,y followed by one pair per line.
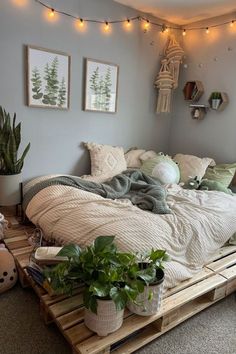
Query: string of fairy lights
x,y
147,23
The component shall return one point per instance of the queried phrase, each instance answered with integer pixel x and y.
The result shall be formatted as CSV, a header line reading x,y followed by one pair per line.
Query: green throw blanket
x,y
142,190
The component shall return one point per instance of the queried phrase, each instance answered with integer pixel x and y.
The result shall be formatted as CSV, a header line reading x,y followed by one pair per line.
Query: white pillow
x,y
106,160
191,166
150,154
132,158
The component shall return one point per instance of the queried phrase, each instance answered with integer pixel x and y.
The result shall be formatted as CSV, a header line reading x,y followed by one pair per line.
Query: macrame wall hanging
x,y
174,53
168,76
164,82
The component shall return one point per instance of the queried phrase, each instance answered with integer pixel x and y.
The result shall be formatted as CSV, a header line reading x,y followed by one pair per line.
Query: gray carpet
x,y
23,332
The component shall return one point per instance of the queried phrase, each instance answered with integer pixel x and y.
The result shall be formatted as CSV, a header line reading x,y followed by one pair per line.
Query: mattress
x,y
199,224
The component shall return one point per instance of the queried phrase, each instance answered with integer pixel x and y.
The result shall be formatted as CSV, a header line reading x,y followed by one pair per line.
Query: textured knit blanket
x,y
142,190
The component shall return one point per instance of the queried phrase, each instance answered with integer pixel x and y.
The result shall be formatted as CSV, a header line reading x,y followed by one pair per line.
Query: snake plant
x,y
10,139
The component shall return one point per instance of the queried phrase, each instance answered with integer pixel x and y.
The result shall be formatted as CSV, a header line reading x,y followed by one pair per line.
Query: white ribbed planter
x,y
107,319
215,102
10,189
145,306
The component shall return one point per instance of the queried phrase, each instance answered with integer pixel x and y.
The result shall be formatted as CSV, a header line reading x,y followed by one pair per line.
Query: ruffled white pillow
x,y
192,166
132,158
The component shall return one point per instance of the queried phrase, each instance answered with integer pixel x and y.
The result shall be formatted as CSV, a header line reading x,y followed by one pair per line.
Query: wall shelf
x,y
218,101
198,111
193,90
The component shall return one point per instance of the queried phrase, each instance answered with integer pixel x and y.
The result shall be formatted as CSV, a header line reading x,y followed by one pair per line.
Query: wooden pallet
x,y
216,280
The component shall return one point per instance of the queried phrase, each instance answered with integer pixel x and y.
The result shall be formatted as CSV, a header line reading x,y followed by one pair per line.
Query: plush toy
x,y
206,185
163,168
192,183
8,273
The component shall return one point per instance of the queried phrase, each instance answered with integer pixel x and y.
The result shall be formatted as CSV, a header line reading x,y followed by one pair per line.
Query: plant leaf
x,y
99,289
103,242
70,251
119,297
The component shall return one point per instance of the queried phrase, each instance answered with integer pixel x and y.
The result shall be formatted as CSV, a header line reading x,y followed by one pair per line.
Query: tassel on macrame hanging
x,y
164,82
174,53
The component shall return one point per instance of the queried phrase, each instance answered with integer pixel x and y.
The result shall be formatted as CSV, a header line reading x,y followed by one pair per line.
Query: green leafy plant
x,y
149,265
10,139
106,273
216,96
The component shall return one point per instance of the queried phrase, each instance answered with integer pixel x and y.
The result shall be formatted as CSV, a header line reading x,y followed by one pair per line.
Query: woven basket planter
x,y
147,307
107,319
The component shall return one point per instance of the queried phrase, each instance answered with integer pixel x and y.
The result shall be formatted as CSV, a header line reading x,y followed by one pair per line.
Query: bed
x,y
200,223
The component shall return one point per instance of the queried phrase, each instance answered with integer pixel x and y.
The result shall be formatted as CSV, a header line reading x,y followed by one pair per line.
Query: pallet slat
x,y
14,239
69,319
223,263
78,333
222,252
66,305
203,274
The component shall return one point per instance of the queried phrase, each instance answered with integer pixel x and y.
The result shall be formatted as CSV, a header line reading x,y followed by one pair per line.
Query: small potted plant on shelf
x,y
215,100
105,274
10,164
152,275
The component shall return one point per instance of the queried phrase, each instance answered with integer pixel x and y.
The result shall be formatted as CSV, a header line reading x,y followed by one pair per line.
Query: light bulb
x,y
232,23
147,24
207,30
184,32
52,13
81,22
128,23
106,26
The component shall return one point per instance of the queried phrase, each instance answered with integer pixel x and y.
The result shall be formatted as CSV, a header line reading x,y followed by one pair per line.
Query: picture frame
x,y
48,78
101,86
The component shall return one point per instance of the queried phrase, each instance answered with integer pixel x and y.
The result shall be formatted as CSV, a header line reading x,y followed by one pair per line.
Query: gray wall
x,y
56,135
211,60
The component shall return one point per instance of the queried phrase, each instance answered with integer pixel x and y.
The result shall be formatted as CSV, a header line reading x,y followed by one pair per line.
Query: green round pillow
x,y
163,168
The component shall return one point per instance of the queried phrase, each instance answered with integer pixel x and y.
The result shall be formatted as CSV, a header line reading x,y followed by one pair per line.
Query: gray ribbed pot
x,y
146,306
10,189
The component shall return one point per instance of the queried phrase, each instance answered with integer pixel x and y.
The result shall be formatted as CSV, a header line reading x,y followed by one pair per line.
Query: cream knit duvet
x,y
200,223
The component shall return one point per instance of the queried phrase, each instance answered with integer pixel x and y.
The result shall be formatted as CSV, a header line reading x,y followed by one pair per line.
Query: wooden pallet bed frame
x,y
216,281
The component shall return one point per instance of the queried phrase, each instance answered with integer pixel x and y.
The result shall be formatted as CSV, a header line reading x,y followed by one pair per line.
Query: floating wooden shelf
x,y
219,103
193,90
198,111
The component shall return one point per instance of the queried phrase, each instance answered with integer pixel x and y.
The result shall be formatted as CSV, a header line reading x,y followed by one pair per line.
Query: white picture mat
x,y
91,66
38,57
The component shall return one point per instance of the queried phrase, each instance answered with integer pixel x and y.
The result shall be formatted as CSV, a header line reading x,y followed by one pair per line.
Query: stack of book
x,y
44,257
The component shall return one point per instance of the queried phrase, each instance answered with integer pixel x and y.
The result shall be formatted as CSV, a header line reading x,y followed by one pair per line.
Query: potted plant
x,y
10,165
215,100
152,275
108,285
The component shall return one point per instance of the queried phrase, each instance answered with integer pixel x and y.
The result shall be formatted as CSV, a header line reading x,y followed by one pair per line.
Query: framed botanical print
x,y
101,85
48,78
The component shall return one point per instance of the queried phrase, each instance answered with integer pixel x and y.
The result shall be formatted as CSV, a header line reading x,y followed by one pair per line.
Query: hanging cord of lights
x,y
146,21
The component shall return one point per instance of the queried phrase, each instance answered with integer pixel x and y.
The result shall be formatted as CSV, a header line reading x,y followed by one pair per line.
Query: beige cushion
x,y
150,154
132,158
106,160
191,166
